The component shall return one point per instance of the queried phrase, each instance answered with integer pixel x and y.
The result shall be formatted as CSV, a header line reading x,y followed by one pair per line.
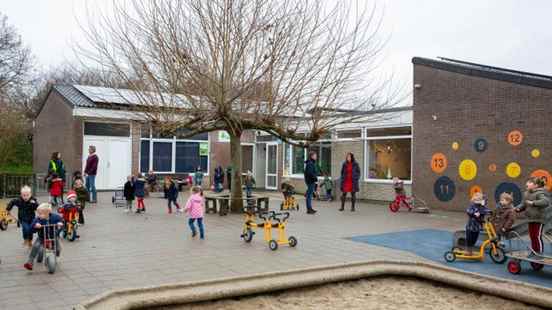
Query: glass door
x,y
272,166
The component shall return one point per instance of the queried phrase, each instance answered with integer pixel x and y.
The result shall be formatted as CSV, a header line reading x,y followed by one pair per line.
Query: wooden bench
x,y
221,203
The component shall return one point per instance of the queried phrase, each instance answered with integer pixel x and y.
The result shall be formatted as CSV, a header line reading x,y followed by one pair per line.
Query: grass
x,y
19,169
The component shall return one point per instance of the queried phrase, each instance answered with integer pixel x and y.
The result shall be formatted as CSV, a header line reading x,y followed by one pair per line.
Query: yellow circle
x,y
467,170
455,146
513,170
535,153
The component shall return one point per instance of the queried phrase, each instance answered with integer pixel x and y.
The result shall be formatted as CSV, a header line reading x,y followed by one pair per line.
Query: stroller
x,y
289,203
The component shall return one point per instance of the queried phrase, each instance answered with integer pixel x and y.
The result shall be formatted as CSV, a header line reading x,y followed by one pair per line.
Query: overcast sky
x,y
504,33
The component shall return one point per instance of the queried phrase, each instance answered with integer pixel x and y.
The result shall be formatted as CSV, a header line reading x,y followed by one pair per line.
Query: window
x,y
388,155
294,158
106,129
162,156
144,155
181,134
189,156
324,152
349,134
247,158
298,158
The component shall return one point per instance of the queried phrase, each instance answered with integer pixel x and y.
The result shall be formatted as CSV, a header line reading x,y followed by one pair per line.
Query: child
x,y
26,206
198,177
327,185
476,214
535,202
172,194
82,198
398,186
71,210
128,191
140,192
56,190
219,179
249,183
77,175
194,208
45,217
505,214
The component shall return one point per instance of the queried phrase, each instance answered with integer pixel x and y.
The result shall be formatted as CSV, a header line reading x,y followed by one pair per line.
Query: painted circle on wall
x,y
444,189
535,153
492,167
455,146
439,162
513,170
515,137
467,170
475,189
509,188
480,145
541,173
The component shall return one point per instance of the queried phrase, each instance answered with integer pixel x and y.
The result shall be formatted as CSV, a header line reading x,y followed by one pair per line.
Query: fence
x,y
10,184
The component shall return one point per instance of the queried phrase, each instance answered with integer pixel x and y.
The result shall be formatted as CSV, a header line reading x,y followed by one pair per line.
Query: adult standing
x,y
90,172
311,177
350,176
55,166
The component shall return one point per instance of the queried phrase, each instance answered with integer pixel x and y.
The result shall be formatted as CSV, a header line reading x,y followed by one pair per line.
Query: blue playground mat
x,y
432,244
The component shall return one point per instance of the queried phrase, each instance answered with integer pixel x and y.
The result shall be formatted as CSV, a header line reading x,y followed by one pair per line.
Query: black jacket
x,y
311,173
128,191
25,209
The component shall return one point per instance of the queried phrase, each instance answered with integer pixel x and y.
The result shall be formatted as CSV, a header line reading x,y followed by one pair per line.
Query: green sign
x,y
223,136
203,149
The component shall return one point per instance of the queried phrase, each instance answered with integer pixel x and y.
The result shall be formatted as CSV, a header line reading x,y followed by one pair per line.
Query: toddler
x,y
476,214
70,209
249,184
505,214
82,198
56,190
140,192
45,217
536,201
327,184
172,194
194,209
26,206
198,177
128,191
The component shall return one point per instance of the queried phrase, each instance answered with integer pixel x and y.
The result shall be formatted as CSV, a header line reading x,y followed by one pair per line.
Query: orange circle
x,y
492,167
541,173
515,137
475,189
439,163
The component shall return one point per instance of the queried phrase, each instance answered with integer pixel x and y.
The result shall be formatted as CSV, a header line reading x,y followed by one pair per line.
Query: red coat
x,y
56,189
348,181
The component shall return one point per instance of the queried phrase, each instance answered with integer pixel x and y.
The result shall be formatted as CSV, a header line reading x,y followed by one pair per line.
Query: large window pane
x,y
386,132
325,157
287,154
349,134
298,160
144,156
247,158
106,129
389,158
162,156
189,157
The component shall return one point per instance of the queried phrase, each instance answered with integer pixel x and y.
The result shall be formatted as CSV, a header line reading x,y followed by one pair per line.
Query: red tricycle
x,y
411,203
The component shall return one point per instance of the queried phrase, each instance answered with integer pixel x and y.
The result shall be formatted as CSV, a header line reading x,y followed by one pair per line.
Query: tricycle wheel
x,y
3,224
450,256
247,235
273,245
514,267
537,266
394,207
51,263
497,255
292,241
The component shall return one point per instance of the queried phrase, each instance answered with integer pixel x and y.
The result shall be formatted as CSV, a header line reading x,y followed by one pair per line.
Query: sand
x,y
377,293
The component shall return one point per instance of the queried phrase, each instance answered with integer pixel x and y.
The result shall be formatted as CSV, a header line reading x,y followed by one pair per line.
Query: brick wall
x,y
135,132
466,108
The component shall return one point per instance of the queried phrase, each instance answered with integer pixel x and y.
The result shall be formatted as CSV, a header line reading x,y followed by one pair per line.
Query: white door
x,y
271,166
114,163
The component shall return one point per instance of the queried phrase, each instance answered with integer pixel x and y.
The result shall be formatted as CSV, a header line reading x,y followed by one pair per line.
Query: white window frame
x,y
172,140
367,140
336,138
292,175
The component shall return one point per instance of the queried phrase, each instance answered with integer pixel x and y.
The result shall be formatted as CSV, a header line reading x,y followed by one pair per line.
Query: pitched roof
x,y
74,96
488,72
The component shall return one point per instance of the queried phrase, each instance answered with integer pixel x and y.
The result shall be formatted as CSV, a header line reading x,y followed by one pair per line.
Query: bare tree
x,y
295,69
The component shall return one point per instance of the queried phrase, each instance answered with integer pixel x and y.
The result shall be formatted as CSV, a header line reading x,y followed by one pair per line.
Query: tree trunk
x,y
236,205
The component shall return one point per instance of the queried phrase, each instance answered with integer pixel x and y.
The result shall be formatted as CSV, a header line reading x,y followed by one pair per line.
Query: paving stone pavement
x,y
125,250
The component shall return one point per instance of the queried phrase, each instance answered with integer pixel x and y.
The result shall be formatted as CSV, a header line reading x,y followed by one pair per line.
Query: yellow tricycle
x,y
5,217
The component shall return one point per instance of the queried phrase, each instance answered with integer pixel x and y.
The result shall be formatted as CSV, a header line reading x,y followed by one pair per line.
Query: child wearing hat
x,y
70,209
476,214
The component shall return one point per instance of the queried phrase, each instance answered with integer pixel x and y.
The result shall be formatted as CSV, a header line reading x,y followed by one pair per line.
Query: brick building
x,y
478,127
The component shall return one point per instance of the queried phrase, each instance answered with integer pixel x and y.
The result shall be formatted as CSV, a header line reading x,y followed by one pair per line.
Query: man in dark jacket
x,y
311,177
26,207
90,171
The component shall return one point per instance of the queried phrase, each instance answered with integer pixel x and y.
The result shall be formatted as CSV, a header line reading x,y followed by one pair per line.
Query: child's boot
x,y
170,210
28,266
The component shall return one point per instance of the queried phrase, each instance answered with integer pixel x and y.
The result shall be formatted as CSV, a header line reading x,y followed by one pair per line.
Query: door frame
x,y
105,140
267,174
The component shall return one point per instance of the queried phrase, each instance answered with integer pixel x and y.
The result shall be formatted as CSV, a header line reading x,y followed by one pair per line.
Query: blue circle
x,y
444,189
480,145
510,188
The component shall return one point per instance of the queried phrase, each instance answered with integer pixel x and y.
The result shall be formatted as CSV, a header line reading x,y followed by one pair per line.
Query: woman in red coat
x,y
350,176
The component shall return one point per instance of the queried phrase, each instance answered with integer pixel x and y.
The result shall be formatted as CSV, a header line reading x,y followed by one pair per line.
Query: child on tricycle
x,y
70,214
47,226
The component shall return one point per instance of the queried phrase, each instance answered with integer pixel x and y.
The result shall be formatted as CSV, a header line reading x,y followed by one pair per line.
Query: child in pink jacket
x,y
194,208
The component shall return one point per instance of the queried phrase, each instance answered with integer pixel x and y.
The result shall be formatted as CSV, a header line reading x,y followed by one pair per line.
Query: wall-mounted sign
x,y
535,153
439,162
509,188
223,136
467,170
513,170
480,145
455,146
204,149
475,189
515,137
444,189
541,173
